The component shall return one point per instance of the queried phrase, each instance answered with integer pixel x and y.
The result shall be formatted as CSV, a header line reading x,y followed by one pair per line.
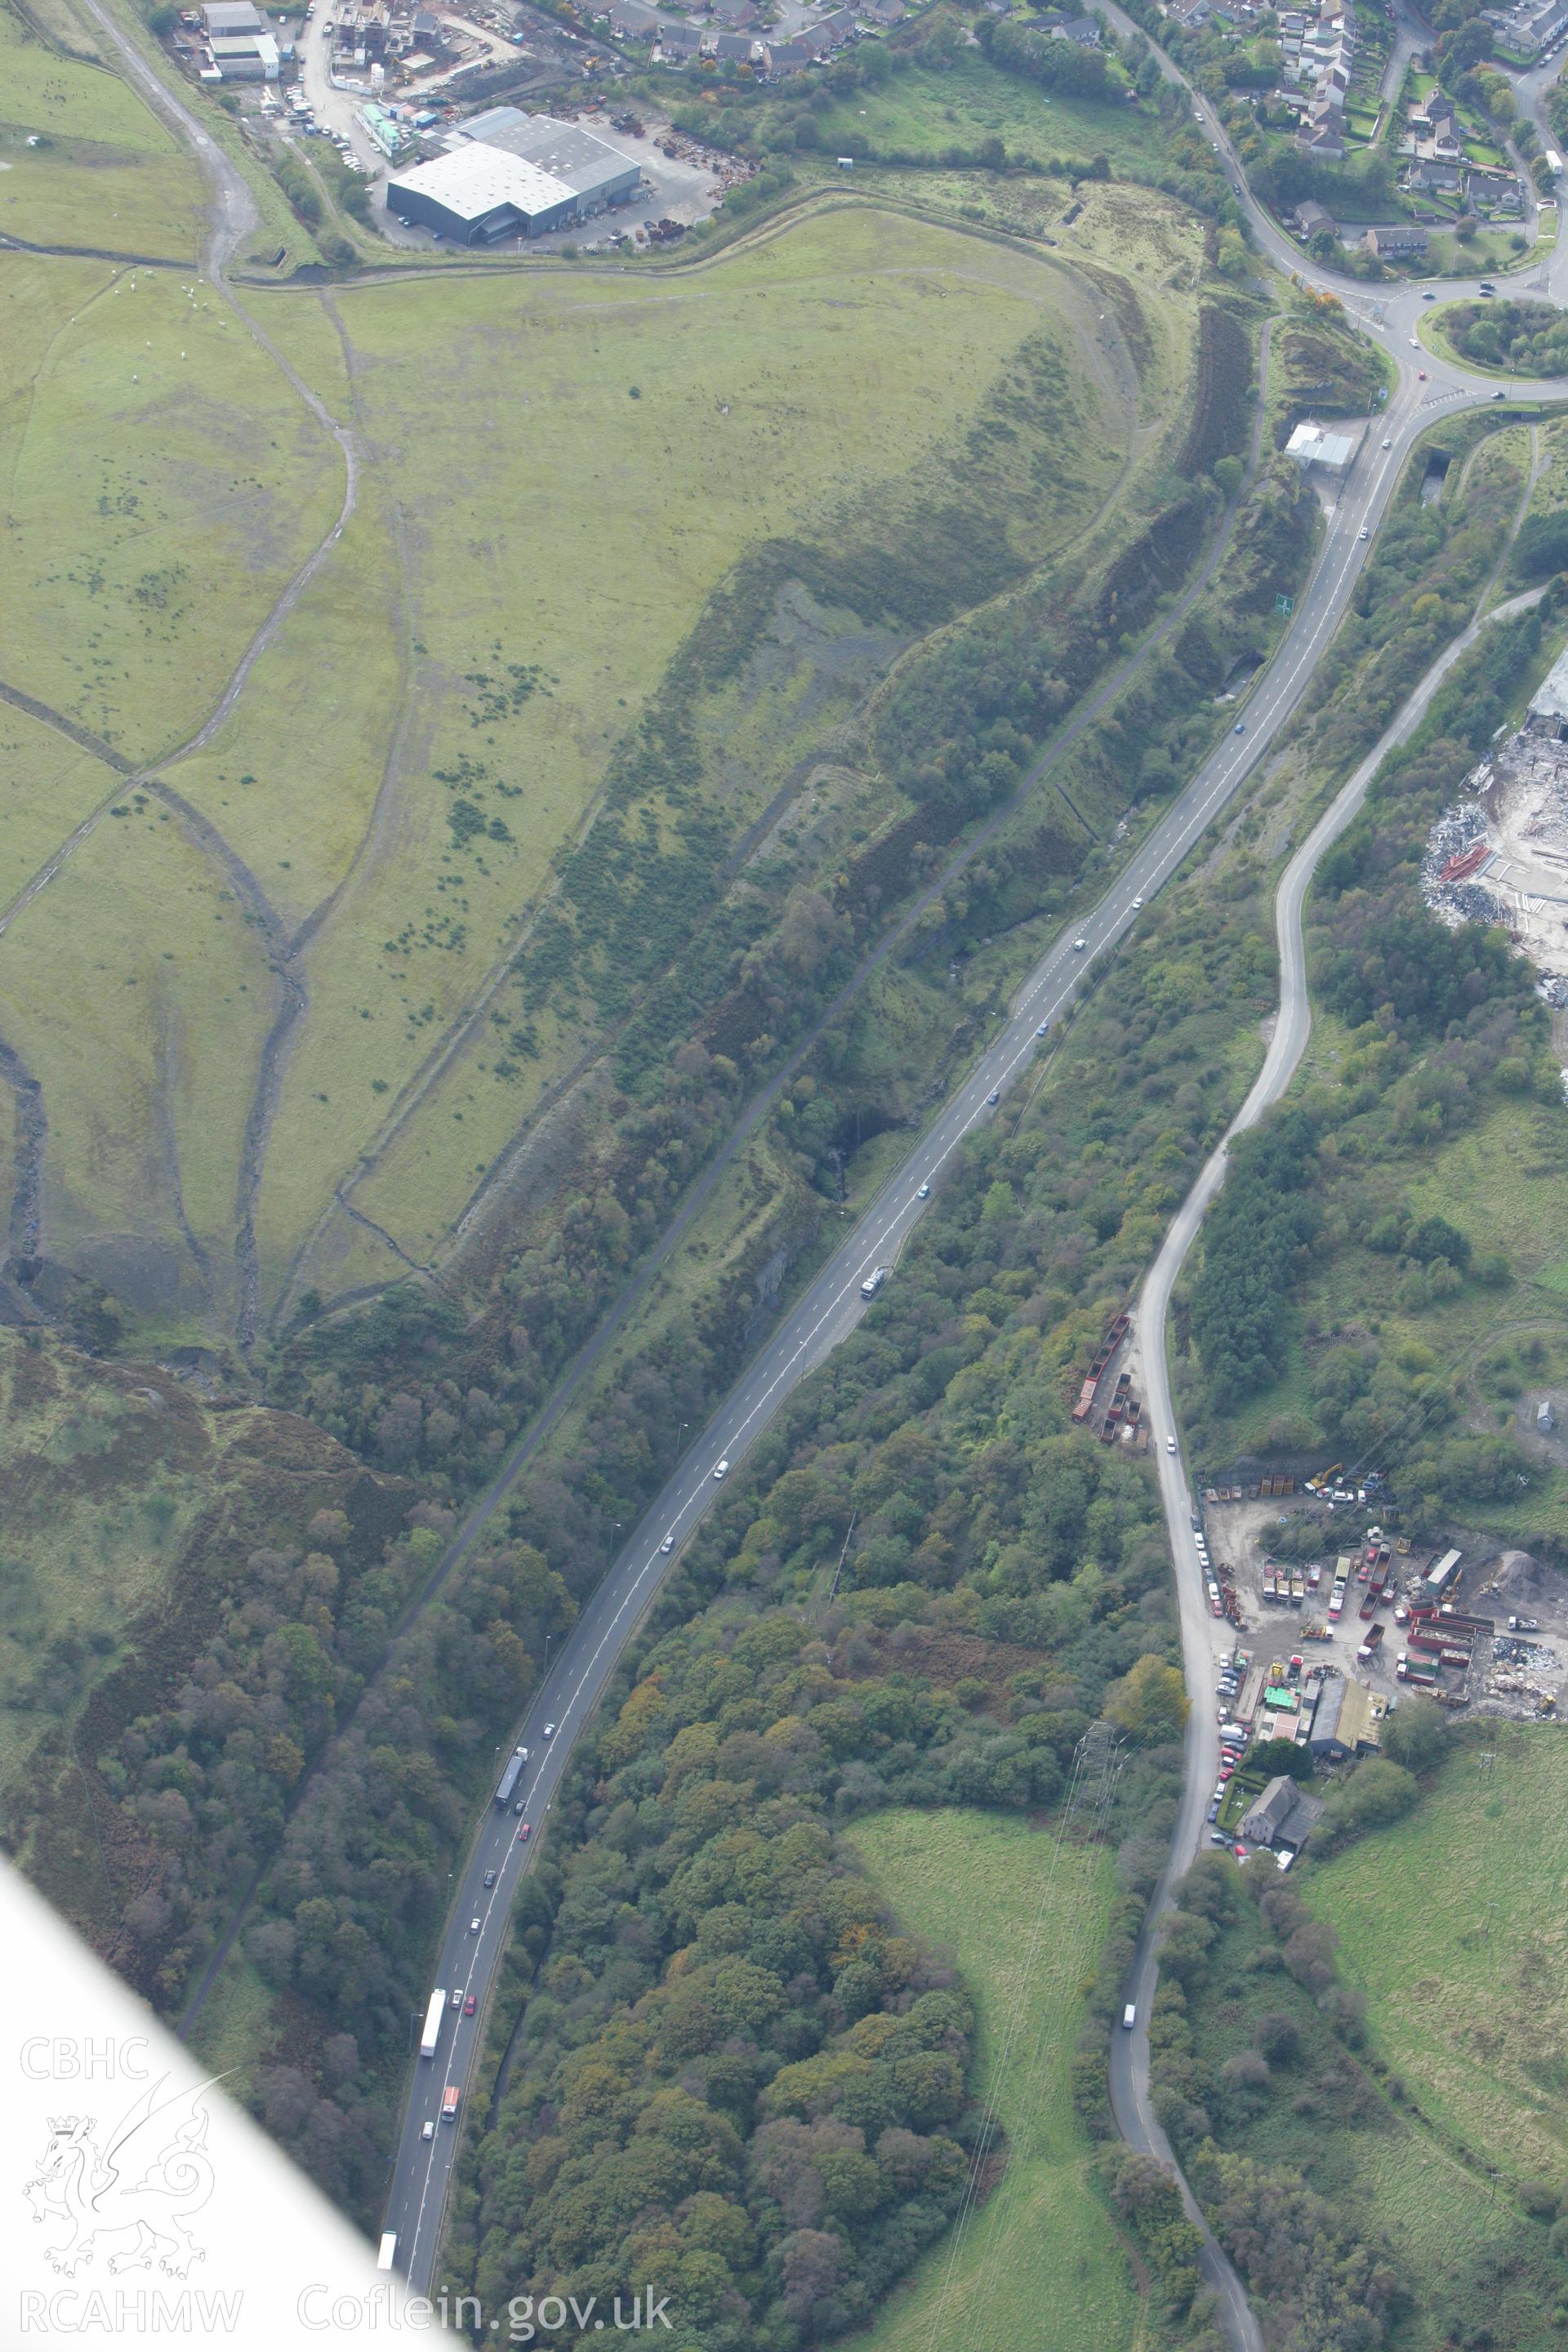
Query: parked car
x,y
1242,1852
1214,1810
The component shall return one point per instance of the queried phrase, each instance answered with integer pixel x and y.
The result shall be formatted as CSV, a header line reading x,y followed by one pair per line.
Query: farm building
x,y
1347,1720
476,195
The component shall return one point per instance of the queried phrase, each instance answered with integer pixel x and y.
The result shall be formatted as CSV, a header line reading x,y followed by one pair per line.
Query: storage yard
x,y
1501,854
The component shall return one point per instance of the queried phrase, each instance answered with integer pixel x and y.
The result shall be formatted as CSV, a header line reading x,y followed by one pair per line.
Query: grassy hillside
x,y
1038,2261
1346,2113
908,417
104,172
1453,1925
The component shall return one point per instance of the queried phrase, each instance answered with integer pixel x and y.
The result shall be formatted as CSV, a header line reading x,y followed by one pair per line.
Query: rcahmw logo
x,y
128,2191
194,2313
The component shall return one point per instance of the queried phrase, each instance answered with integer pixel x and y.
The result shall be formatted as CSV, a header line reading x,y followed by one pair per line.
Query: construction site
x,y
1501,854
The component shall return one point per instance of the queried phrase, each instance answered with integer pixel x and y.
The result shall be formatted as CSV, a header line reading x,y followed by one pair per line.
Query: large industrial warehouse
x,y
507,174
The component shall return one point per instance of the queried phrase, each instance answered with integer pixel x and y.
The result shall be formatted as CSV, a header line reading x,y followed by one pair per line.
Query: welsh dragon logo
x,y
130,2193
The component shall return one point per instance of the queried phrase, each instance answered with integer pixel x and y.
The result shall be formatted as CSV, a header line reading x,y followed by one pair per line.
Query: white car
x,y
1041,1031
924,1192
1136,904
473,1930
1170,1444
723,1470
1078,946
669,1543
1364,533
428,2128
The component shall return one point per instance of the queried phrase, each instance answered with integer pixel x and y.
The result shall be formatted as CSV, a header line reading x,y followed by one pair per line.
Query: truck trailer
x,y
433,2016
509,1778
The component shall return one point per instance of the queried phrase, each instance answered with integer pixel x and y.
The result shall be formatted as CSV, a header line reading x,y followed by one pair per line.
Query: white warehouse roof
x,y
472,181
1311,445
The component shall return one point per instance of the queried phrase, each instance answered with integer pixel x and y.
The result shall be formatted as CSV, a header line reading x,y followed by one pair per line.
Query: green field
x,y
1038,2262
1455,2237
924,113
104,172
426,731
1454,1927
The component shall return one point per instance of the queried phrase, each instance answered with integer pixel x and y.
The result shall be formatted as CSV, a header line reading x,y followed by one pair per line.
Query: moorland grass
x,y
105,171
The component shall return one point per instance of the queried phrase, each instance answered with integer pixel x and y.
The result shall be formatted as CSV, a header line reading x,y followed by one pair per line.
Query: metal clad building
x,y
477,194
596,172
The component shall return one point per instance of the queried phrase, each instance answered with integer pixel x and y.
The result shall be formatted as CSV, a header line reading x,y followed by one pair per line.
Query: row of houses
x,y
739,31
1530,27
1319,66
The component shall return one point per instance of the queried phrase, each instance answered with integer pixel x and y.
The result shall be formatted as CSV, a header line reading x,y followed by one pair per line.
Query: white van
x,y
1130,2016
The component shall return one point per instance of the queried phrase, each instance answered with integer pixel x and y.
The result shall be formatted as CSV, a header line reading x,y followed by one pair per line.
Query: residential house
x,y
1400,241
630,21
1311,217
787,58
886,13
1282,1817
678,44
1434,179
732,49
